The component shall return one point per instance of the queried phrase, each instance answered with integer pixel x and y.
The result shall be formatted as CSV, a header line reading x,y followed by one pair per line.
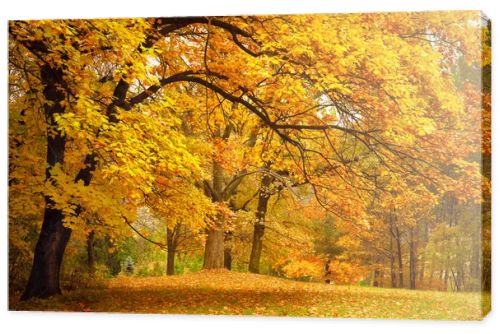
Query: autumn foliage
x,y
347,148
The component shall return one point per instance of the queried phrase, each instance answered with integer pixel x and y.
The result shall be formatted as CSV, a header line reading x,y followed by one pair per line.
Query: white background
x,y
46,322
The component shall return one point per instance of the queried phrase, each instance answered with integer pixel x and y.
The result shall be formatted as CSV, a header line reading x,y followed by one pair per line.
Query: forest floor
x,y
231,293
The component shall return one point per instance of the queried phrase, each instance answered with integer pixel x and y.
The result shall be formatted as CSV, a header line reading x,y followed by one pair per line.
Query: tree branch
x,y
162,246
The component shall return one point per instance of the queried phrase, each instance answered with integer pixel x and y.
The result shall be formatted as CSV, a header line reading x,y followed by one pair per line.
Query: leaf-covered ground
x,y
223,292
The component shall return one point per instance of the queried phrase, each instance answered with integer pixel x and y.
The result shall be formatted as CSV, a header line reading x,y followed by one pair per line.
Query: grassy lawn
x,y
223,292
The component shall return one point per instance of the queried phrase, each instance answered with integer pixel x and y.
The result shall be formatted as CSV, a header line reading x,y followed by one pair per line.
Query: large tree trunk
x,y
214,249
258,233
259,226
214,246
44,278
171,262
49,251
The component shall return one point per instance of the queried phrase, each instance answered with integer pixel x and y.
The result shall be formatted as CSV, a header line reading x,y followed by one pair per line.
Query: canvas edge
x,y
486,167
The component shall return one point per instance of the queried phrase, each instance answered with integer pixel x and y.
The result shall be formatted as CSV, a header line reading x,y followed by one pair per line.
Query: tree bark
x,y
421,277
413,260
214,246
228,250
54,236
170,263
423,240
259,226
228,258
49,251
376,275
455,286
90,252
171,248
255,255
328,271
400,257
393,270
431,271
214,249
445,280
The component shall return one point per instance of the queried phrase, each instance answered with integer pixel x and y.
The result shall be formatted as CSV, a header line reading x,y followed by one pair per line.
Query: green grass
x,y
232,293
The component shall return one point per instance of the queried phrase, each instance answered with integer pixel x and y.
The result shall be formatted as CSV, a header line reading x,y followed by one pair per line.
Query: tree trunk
x,y
431,271
170,262
423,239
259,226
49,251
328,271
413,260
445,280
214,249
228,256
90,252
400,257
455,286
376,275
396,235
44,278
254,263
393,269
422,269
475,267
171,248
214,246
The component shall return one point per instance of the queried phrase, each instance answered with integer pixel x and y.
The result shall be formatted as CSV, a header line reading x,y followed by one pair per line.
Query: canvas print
x,y
320,165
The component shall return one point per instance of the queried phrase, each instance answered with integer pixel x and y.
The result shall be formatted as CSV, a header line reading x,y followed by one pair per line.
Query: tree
x,y
111,92
327,246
